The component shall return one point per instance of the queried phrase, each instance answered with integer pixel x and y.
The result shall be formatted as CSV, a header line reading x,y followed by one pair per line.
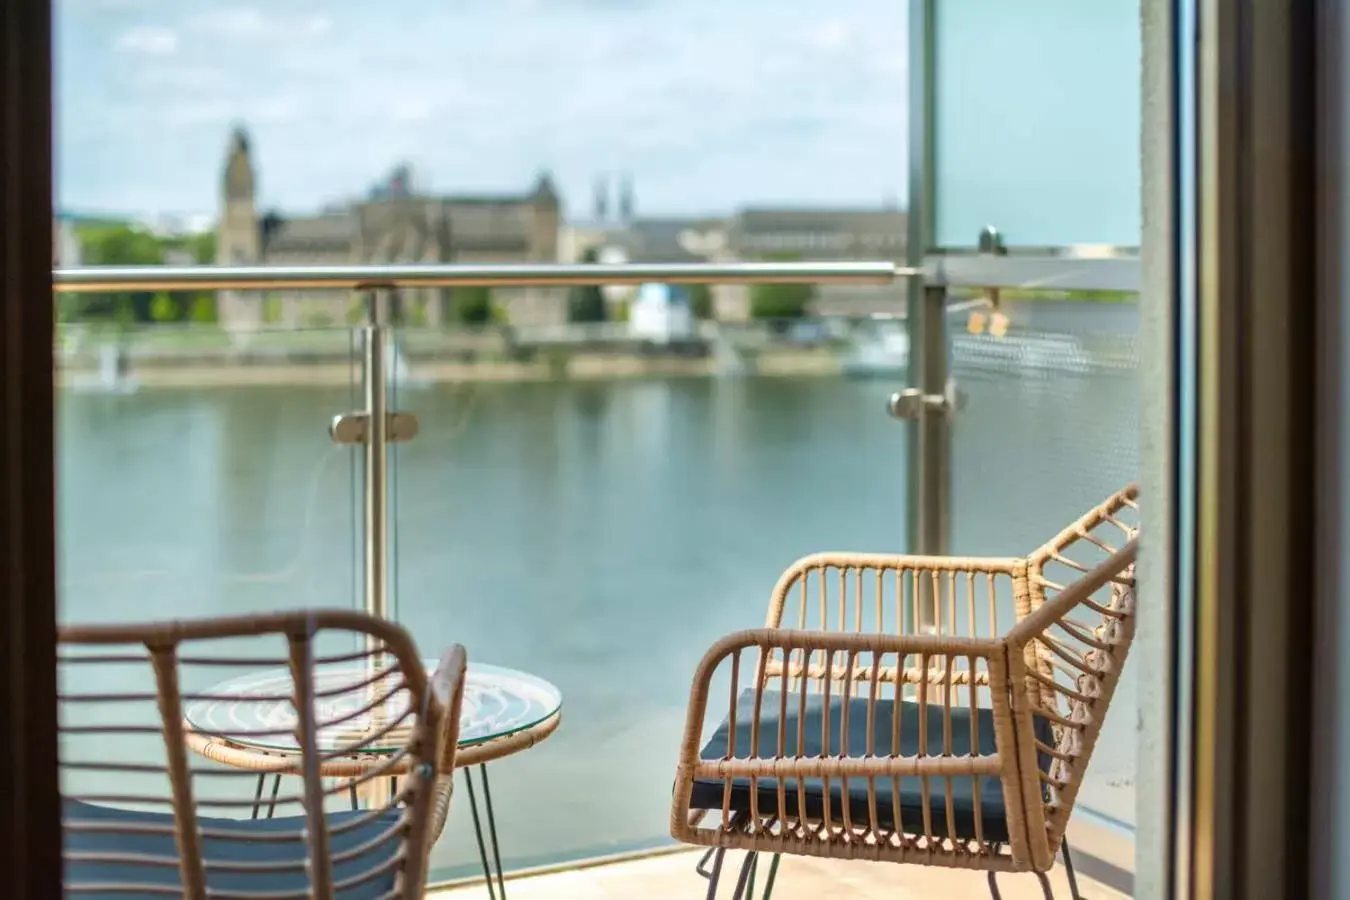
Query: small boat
x,y
114,373
884,351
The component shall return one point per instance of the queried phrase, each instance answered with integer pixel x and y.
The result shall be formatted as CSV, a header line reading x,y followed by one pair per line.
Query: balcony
x,y
593,507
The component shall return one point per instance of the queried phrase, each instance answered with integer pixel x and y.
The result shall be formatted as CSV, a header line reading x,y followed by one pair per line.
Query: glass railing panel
x,y
1050,430
196,477
598,516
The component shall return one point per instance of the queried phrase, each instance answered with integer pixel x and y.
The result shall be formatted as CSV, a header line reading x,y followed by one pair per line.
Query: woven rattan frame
x,y
853,636
428,729
240,756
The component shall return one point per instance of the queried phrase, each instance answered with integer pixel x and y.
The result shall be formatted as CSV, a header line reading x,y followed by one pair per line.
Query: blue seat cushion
x,y
110,838
853,793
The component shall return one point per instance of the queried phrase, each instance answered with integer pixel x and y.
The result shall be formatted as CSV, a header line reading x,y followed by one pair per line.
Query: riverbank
x,y
183,373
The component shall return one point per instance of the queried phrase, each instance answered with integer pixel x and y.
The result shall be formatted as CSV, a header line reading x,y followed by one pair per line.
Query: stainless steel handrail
x,y
98,279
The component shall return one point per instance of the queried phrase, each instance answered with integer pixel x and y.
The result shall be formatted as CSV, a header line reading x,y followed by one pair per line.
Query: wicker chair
x,y
897,719
142,819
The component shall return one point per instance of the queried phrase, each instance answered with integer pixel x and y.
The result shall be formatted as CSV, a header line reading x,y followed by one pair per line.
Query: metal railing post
x,y
930,467
375,371
929,401
930,407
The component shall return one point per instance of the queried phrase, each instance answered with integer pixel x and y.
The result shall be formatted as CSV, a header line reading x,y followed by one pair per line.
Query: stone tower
x,y
601,199
237,238
547,218
626,200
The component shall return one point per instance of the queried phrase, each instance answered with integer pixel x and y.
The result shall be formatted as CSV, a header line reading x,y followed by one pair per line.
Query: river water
x,y
600,535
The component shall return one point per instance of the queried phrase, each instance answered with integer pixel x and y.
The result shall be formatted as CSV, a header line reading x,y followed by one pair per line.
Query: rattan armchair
x,y
890,710
144,817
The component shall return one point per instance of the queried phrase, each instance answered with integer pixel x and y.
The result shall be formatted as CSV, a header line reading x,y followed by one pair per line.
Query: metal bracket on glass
x,y
354,427
911,403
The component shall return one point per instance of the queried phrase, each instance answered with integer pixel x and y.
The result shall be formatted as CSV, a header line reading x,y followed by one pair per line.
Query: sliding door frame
x,y
30,825
1246,728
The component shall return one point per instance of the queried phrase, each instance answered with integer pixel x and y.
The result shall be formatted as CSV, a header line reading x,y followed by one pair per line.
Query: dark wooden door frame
x,y
1251,725
30,831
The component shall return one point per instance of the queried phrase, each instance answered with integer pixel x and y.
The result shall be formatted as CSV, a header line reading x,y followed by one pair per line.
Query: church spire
x,y
601,198
626,200
239,167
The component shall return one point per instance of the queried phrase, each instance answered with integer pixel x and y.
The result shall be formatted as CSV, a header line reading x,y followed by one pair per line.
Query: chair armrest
x,y
790,741
447,692
1078,593
830,645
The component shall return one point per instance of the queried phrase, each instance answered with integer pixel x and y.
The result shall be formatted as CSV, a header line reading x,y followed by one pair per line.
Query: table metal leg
x,y
492,834
276,789
257,795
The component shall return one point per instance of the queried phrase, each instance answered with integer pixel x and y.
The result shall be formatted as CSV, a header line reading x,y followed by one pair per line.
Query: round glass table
x,y
504,711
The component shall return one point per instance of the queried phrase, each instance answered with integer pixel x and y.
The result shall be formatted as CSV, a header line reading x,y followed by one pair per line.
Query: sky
x,y
709,104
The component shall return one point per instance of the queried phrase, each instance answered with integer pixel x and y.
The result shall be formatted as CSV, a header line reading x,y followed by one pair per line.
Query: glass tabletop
x,y
498,702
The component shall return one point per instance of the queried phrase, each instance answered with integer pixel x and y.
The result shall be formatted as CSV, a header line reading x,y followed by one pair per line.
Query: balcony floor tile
x,y
672,877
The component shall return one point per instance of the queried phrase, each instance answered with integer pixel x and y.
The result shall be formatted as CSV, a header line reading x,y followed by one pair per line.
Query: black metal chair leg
x,y
993,886
478,833
702,866
257,795
773,874
715,875
1068,870
744,878
276,789
492,830
1046,889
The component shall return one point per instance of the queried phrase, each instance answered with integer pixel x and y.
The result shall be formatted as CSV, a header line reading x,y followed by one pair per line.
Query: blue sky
x,y
708,103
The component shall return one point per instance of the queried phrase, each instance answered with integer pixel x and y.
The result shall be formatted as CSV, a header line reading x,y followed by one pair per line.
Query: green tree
x,y
271,311
472,305
115,244
199,307
701,301
203,310
417,313
586,303
356,313
781,301
164,308
203,247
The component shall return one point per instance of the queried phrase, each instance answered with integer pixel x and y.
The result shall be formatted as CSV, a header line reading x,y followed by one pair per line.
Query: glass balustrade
x,y
1050,429
196,477
598,516
584,503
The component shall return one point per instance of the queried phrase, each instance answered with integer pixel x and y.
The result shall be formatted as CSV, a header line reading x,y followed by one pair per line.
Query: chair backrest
x,y
1076,623
171,731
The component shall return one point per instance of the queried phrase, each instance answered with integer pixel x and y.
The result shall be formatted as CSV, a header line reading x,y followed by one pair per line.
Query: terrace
x,y
588,532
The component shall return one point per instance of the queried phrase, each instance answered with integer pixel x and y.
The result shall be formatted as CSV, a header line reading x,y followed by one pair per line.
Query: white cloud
x,y
148,40
411,109
250,24
831,37
707,104
101,5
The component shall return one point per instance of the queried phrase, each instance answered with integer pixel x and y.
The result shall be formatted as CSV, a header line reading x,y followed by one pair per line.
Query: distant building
x,y
820,233
766,233
393,224
828,234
